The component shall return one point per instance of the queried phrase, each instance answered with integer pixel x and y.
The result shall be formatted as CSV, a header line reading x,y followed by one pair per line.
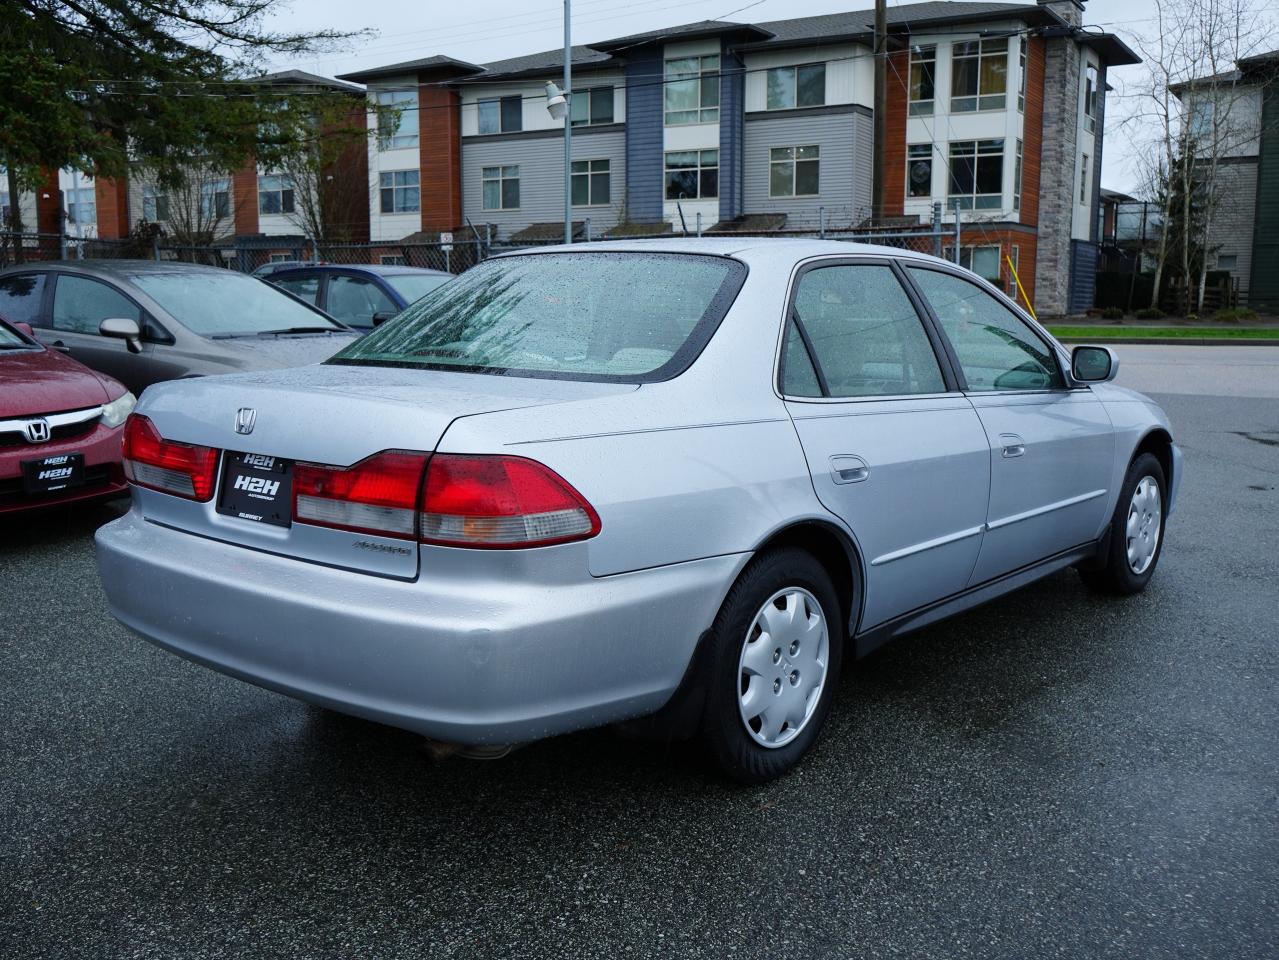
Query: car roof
x,y
744,247
379,269
118,269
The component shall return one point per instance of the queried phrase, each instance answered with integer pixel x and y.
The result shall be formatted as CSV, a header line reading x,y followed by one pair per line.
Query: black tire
x,y
1112,573
723,731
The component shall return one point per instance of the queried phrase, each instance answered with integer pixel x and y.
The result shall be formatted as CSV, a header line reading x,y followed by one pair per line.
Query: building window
x,y
977,174
215,199
1017,178
400,191
692,175
275,194
794,171
1090,98
279,257
923,80
400,129
392,260
501,116
1022,59
979,75
591,106
1227,261
790,87
983,261
1083,178
501,187
590,183
155,205
692,90
82,206
919,170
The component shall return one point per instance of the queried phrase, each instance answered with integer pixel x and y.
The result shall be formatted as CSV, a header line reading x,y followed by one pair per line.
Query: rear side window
x,y
995,347
20,298
866,338
80,305
305,287
628,317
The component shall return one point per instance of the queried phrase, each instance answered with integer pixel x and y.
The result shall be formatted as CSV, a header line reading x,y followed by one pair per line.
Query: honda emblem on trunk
x,y
36,431
245,417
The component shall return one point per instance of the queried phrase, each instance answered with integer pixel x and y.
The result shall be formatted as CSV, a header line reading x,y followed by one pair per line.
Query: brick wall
x,y
48,204
112,197
244,199
894,146
440,134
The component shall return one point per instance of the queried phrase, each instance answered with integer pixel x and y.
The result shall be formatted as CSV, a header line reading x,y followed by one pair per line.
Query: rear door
x,y
1051,446
893,447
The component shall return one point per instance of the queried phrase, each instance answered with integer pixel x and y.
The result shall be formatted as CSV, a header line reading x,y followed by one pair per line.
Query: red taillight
x,y
182,469
378,495
497,501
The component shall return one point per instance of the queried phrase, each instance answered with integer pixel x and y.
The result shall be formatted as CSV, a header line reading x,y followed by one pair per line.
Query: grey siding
x,y
541,163
732,99
846,147
1083,276
643,136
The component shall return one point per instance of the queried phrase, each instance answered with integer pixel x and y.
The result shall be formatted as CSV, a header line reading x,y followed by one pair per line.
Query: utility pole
x,y
568,122
881,108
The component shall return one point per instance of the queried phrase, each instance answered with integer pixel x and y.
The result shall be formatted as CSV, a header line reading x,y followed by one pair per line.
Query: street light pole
x,y
568,123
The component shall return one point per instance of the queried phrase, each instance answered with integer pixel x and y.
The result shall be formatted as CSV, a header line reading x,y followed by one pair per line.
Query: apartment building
x,y
996,109
1239,110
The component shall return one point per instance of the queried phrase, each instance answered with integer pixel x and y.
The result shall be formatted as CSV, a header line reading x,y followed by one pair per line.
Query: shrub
x,y
1235,315
1112,313
1149,313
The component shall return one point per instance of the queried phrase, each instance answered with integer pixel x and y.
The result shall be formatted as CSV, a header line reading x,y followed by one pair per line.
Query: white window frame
x,y
978,153
500,103
919,153
794,71
1083,179
158,203
1018,170
215,199
792,161
278,183
921,55
1091,96
992,49
397,191
589,171
701,166
708,66
406,102
1023,59
588,96
503,176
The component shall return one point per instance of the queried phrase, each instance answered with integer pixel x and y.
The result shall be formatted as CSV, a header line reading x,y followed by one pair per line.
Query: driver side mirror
x,y
124,328
24,328
381,317
1094,364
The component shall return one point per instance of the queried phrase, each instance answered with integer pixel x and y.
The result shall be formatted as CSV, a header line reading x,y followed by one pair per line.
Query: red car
x,y
61,426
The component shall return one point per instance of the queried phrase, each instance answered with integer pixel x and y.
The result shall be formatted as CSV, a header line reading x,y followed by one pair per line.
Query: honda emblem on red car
x,y
36,431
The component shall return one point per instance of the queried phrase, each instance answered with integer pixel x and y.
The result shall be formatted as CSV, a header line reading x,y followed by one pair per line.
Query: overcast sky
x,y
408,29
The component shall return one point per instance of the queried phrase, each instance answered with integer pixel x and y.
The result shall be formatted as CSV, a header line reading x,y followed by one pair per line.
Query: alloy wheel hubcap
x,y
782,669
1144,515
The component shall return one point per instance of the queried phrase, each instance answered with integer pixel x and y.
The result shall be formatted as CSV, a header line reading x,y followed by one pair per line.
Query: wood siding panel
x,y
440,136
1033,136
894,146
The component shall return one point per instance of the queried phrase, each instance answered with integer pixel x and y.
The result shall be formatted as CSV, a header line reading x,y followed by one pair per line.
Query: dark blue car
x,y
359,295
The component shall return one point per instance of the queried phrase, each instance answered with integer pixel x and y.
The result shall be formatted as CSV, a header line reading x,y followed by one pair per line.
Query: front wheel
x,y
1136,532
775,656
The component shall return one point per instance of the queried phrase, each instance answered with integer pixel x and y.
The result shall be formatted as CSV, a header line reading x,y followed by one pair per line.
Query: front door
x,y
893,448
1051,447
80,304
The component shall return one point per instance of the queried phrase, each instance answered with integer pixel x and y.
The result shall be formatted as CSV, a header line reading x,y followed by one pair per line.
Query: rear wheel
x,y
1136,532
774,659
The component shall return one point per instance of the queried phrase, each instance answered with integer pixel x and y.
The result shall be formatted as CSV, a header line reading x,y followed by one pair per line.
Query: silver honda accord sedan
x,y
677,480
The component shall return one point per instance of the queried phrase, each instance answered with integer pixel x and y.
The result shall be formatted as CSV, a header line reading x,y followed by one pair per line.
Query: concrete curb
x,y
1177,341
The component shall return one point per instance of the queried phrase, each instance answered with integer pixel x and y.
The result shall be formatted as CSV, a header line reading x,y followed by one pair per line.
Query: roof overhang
x,y
437,68
1112,51
739,32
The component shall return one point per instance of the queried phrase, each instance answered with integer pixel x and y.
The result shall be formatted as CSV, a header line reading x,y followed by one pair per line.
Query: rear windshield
x,y
227,304
415,286
631,317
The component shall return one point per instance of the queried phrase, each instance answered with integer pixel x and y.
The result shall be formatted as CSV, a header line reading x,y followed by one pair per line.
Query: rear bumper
x,y
104,476
485,647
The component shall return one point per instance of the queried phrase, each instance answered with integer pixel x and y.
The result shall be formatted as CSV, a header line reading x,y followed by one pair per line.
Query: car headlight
x,y
115,412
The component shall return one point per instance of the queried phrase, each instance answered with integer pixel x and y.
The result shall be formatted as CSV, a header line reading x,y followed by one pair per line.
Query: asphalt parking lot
x,y
1053,775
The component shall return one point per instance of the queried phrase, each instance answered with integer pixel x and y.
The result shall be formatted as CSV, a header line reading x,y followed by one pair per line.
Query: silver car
x,y
142,321
677,480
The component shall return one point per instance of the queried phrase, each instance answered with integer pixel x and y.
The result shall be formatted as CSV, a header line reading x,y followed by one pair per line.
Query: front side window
x,y
923,75
1090,98
919,170
198,300
501,187
354,300
501,115
692,90
790,87
275,194
155,205
591,106
794,171
305,286
979,75
591,186
400,127
21,296
995,347
80,305
867,340
977,174
692,174
628,317
400,191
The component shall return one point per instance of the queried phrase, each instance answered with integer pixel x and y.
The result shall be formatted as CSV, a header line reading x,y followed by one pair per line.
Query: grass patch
x,y
1170,333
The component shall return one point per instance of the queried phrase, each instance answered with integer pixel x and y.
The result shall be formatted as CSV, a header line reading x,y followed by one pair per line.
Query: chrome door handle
x,y
1013,445
59,345
848,469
